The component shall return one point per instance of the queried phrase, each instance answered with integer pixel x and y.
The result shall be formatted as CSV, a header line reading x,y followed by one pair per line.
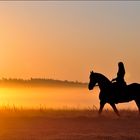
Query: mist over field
x,y
54,94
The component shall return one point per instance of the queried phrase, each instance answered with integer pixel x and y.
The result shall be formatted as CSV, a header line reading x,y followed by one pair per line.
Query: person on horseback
x,y
120,82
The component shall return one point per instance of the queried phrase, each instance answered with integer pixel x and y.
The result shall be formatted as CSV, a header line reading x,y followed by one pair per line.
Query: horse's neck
x,y
103,81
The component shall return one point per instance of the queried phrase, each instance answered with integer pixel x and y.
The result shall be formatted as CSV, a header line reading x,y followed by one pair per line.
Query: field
x,y
49,124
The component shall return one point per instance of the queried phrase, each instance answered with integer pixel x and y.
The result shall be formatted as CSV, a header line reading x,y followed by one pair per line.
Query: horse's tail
x,y
134,90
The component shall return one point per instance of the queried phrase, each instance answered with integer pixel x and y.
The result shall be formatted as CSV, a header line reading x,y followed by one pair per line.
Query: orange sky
x,y
65,40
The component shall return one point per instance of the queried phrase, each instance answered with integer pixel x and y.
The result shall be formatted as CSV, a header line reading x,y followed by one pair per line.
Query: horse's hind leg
x,y
115,109
138,104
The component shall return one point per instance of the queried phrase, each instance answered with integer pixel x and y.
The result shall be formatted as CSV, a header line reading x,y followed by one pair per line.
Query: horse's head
x,y
92,81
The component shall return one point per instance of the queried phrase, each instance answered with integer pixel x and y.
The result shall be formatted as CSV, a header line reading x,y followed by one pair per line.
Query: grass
x,y
67,124
64,112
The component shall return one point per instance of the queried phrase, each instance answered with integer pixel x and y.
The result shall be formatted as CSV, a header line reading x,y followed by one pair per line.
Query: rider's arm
x,y
113,79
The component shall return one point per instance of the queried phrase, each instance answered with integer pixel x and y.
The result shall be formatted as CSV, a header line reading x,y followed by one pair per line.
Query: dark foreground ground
x,y
68,125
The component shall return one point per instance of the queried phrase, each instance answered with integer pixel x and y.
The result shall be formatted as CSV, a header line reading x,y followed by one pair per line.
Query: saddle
x,y
119,91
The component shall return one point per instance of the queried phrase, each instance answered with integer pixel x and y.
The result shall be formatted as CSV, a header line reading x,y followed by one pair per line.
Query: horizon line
x,y
43,79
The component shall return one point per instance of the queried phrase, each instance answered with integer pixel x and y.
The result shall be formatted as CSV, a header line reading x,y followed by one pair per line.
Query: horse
x,y
111,94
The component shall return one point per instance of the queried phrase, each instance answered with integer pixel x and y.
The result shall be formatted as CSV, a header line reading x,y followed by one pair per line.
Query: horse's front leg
x,y
115,109
101,107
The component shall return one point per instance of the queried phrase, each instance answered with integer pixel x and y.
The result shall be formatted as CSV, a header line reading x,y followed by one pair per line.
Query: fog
x,y
54,98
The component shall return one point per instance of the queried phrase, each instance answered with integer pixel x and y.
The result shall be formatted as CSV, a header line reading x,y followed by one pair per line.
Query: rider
x,y
120,76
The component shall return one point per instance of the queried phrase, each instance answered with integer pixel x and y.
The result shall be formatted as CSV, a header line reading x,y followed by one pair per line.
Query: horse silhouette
x,y
109,93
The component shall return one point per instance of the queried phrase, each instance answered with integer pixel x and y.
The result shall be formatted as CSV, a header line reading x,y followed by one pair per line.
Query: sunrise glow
x,y
65,40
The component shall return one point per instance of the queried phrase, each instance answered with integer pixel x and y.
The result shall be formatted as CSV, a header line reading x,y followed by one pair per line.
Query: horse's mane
x,y
103,78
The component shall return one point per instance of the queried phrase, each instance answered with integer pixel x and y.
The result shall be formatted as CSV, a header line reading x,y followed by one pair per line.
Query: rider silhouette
x,y
120,76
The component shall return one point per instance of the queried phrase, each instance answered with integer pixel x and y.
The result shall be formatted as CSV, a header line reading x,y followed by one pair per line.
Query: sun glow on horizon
x,y
53,98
